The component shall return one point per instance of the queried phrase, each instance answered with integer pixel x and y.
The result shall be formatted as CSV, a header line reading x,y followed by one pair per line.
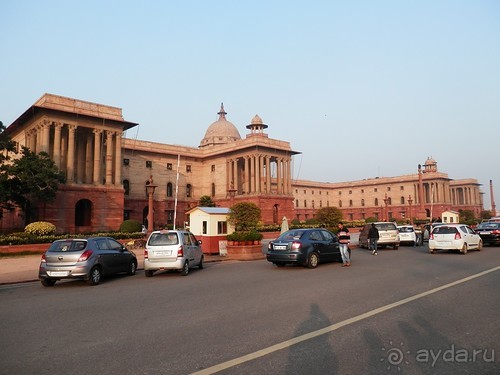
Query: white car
x,y
454,237
172,250
407,234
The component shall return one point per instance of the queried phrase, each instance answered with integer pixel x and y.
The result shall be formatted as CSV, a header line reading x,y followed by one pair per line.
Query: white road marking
x,y
333,327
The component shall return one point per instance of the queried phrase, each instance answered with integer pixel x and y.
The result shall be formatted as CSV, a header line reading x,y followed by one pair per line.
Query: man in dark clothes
x,y
373,237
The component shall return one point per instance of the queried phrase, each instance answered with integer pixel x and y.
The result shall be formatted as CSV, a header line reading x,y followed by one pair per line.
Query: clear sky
x,y
361,88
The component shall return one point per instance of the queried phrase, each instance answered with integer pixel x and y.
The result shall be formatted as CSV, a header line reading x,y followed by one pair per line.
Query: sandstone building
x,y
107,174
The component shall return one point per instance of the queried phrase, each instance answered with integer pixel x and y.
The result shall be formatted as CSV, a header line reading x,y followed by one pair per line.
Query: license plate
x,y
279,247
166,252
58,273
484,232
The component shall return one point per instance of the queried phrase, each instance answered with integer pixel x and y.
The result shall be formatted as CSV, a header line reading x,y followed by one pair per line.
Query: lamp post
x,y
386,216
150,190
410,202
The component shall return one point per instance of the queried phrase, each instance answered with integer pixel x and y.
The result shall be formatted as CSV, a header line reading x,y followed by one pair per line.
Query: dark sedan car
x,y
489,232
307,247
85,258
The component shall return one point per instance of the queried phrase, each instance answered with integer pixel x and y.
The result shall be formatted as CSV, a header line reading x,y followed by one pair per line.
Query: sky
x,y
362,89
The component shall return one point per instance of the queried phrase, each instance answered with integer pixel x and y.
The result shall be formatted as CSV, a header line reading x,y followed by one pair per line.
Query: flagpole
x,y
176,188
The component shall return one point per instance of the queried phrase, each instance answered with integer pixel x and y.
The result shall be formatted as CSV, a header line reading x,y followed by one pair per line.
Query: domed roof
x,y
221,131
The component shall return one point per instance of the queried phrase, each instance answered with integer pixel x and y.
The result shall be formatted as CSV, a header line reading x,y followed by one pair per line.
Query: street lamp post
x,y
410,201
386,209
150,190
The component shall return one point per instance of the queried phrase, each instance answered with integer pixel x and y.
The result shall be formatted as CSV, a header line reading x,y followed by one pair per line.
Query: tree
x,y
467,216
244,216
206,201
329,216
29,181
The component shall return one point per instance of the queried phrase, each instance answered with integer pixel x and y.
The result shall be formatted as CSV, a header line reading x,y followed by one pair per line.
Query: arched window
x,y
169,189
389,201
362,202
213,189
188,190
126,187
376,201
350,202
402,200
83,213
340,203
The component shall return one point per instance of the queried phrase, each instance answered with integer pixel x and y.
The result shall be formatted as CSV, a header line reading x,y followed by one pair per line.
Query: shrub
x,y
130,226
40,228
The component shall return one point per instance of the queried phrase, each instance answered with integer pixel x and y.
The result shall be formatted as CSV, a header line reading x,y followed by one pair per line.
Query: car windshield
x,y
405,229
488,226
163,239
385,226
70,245
291,235
444,230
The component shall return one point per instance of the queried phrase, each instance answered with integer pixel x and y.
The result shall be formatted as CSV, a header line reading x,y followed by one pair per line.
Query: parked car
x,y
307,247
489,232
172,250
388,235
85,258
407,234
454,237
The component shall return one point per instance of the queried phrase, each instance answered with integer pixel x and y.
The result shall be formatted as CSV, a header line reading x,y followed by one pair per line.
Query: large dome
x,y
221,131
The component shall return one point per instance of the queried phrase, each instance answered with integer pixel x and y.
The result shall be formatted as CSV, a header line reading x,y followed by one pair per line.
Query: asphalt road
x,y
404,311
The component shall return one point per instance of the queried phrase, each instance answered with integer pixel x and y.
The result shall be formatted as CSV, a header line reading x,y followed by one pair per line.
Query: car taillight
x,y
180,252
431,237
43,260
458,236
496,231
85,256
296,245
145,254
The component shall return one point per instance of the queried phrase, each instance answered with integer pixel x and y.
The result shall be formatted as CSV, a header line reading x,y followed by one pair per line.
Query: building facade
x,y
107,174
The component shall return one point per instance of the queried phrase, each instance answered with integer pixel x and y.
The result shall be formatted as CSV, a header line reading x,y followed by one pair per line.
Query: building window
x,y
340,203
312,192
188,168
297,203
169,189
402,200
213,189
362,202
305,203
188,190
126,161
362,190
126,186
401,188
169,166
304,192
321,203
388,188
149,164
376,201
222,227
312,203
126,215
375,190
297,191
389,201
340,193
350,191
170,217
213,168
350,203
204,227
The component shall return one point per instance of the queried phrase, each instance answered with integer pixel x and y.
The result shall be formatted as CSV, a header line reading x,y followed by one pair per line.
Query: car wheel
x,y
149,273
200,266
48,282
312,260
431,251
464,249
132,267
396,246
480,245
94,276
185,268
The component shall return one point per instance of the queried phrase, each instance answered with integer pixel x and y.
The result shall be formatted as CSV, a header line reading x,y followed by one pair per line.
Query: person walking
x,y
344,240
373,237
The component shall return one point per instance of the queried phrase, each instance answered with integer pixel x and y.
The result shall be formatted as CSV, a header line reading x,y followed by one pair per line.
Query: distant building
x,y
107,174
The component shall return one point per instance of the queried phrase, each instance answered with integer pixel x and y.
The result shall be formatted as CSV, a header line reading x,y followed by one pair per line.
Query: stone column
x,y
57,143
89,165
109,157
268,174
261,172
45,127
254,174
236,175
97,157
247,174
70,169
278,175
118,159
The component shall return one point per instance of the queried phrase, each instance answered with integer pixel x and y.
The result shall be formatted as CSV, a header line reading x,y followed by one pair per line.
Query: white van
x,y
388,235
